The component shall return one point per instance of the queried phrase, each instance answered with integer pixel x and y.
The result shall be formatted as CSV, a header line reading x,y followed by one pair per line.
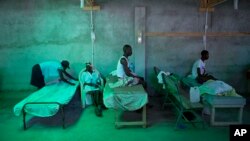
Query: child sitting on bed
x,y
91,80
198,69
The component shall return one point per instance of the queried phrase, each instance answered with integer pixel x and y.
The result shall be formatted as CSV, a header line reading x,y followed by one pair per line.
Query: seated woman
x,y
91,81
198,69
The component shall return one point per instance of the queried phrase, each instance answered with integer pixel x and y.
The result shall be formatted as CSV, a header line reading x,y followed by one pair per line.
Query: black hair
x,y
65,63
204,52
125,47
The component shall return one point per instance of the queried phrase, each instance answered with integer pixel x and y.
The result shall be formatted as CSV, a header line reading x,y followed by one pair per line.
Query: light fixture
x,y
139,37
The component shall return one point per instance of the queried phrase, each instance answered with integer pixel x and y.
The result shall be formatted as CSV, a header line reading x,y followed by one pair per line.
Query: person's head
x,y
89,67
127,50
204,54
65,64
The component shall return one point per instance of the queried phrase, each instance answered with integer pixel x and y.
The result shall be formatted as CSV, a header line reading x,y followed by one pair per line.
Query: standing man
x,y
50,72
198,69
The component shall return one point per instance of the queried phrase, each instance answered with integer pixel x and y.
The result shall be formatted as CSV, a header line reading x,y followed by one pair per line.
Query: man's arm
x,y
126,69
62,78
68,75
199,72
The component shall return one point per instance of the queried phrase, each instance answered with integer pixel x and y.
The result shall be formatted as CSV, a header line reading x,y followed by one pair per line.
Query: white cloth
x,y
215,87
198,64
126,81
50,71
121,82
87,77
212,87
113,73
120,70
159,76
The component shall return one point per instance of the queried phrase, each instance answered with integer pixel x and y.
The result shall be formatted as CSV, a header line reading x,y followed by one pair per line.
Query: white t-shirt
x,y
50,71
198,64
120,70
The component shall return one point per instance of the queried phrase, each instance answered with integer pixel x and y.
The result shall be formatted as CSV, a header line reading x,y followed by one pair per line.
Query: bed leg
x,y
144,116
240,115
178,120
212,116
24,120
63,118
116,118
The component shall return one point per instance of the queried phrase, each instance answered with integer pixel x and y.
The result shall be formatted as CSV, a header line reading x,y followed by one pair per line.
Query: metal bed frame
x,y
61,106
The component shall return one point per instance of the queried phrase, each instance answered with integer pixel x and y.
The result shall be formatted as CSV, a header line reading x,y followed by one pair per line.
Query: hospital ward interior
x,y
124,70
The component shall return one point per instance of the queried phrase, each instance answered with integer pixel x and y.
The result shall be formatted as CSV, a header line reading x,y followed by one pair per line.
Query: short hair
x,y
65,63
204,52
125,47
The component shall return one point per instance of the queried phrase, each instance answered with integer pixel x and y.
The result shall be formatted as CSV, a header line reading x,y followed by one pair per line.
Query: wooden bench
x,y
178,97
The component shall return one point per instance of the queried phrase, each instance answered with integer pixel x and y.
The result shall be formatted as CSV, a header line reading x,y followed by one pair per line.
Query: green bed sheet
x,y
127,98
60,93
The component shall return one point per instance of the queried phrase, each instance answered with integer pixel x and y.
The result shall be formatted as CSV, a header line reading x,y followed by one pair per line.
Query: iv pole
x,y
92,34
205,32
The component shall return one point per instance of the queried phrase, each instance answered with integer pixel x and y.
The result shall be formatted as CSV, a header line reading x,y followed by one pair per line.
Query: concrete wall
x,y
34,31
229,56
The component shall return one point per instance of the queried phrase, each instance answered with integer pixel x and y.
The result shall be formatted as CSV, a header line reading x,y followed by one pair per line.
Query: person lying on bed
x,y
91,80
50,72
123,68
198,69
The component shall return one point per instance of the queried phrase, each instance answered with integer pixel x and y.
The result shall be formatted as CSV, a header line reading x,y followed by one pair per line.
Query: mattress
x,y
59,93
224,100
127,98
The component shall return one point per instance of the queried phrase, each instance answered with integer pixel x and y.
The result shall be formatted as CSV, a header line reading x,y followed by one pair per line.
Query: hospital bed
x,y
125,98
46,102
223,100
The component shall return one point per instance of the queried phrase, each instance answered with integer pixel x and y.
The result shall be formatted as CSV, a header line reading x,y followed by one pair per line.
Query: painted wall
x,y
35,31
